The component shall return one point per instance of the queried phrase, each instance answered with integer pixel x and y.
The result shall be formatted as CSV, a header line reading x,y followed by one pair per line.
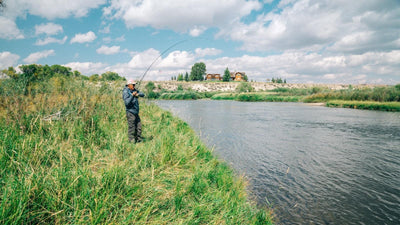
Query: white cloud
x,y
83,38
88,68
106,29
177,60
48,29
34,57
197,31
295,66
9,30
191,16
207,51
51,9
312,25
50,40
108,50
8,59
143,59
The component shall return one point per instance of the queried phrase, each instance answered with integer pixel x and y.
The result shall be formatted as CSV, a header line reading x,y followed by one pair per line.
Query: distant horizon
x,y
302,41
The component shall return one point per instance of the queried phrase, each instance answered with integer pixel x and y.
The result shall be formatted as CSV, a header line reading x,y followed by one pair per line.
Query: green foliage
x,y
244,87
10,72
33,76
227,75
381,106
111,76
150,86
224,96
94,78
77,167
186,76
379,94
278,80
180,77
245,78
180,87
185,95
198,71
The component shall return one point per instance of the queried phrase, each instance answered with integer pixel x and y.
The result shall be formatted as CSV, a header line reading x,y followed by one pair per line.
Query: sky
x,y
302,41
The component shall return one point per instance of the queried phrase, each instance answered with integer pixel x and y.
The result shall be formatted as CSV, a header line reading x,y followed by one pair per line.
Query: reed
x,y
370,105
65,159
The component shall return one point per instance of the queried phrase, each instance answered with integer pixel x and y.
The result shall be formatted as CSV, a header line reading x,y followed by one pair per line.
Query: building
x,y
215,76
238,76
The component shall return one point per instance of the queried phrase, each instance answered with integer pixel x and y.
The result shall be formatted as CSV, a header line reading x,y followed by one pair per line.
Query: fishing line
x,y
162,53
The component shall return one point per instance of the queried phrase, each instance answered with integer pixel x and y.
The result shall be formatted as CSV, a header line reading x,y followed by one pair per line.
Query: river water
x,y
312,164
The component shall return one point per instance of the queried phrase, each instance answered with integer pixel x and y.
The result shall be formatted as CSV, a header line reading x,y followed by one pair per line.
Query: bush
x,y
244,87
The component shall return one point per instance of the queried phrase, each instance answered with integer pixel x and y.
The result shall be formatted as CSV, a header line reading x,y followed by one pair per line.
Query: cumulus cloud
x,y
88,68
50,40
83,38
108,50
311,25
51,9
8,59
34,57
295,66
9,29
48,29
191,16
207,51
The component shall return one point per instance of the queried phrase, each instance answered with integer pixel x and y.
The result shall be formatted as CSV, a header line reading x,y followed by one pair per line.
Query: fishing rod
x,y
162,53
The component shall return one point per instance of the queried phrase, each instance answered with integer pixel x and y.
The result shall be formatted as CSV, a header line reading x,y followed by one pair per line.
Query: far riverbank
x,y
371,97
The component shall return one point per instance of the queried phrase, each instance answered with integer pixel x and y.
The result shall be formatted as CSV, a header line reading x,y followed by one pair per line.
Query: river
x,y
311,164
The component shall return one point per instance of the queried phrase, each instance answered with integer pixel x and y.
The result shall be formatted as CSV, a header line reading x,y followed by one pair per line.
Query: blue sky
x,y
303,41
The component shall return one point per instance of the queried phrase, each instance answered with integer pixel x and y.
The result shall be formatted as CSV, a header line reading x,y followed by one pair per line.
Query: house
x,y
215,76
238,76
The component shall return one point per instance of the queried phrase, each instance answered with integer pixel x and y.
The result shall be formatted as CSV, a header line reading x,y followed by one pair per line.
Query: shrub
x,y
244,87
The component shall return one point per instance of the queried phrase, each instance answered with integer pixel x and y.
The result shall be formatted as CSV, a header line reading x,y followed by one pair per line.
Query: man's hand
x,y
135,94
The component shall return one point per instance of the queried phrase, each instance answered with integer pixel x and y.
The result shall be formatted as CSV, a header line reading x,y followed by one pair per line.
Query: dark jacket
x,y
131,102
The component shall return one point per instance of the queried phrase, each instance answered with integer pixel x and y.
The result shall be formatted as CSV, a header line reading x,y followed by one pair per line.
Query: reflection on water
x,y
314,165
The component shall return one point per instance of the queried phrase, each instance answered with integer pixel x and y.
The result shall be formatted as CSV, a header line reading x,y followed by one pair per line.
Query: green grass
x,y
79,168
257,97
181,96
224,96
370,105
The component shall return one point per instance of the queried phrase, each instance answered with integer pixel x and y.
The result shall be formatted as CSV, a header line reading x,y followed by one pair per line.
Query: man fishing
x,y
131,96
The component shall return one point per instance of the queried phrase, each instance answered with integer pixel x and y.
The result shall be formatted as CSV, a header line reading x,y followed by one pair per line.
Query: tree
x,y
186,76
227,75
57,69
198,71
244,87
10,72
180,77
94,78
245,77
111,76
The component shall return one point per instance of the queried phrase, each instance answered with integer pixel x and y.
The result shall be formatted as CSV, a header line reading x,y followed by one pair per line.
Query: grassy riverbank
x,y
370,105
384,98
256,97
77,167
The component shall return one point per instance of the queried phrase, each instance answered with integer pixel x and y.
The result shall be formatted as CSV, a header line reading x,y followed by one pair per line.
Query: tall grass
x,y
257,97
381,106
65,159
379,94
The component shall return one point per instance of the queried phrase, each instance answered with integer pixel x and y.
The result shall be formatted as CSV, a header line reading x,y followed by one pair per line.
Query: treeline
x,y
35,78
198,73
